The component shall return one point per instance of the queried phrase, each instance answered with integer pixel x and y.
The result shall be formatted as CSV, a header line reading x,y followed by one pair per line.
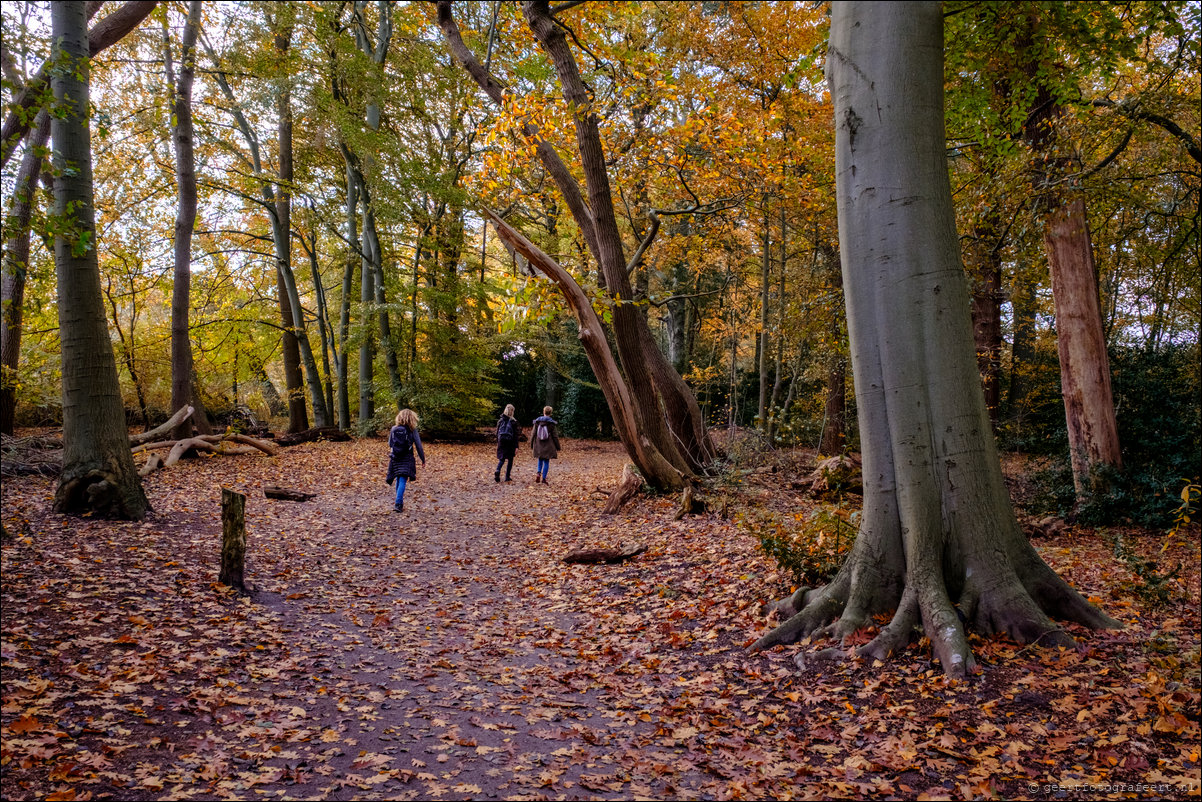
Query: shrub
x,y
1156,399
810,547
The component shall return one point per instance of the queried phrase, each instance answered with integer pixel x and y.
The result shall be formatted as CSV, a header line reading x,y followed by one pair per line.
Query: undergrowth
x,y
810,547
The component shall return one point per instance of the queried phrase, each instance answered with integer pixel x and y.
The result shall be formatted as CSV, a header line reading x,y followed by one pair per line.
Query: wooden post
x,y
233,539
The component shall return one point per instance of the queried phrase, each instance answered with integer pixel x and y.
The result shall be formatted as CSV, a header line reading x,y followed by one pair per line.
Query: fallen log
x,y
153,464
595,556
214,443
31,468
181,447
182,414
626,490
284,494
331,433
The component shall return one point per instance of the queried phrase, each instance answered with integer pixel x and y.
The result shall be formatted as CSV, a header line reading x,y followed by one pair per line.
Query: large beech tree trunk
x,y
939,544
98,470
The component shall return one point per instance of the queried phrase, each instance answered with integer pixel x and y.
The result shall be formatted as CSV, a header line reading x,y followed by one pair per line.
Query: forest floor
x,y
446,652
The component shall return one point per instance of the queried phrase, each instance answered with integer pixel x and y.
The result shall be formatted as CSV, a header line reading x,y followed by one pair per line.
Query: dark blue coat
x,y
401,462
507,451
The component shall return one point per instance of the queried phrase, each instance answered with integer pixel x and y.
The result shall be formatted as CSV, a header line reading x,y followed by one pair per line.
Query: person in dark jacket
x,y
544,441
509,432
402,467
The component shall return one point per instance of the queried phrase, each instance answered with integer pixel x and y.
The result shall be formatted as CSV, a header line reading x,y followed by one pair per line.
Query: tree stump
x,y
233,540
626,490
689,503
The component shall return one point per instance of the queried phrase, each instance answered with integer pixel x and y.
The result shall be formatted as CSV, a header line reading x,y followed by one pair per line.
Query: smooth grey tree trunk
x,y
939,544
98,469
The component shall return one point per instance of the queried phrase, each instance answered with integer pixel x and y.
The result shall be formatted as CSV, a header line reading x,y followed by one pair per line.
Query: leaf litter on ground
x,y
447,653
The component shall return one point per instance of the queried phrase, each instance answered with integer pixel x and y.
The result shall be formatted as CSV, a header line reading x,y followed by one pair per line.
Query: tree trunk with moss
x,y
939,545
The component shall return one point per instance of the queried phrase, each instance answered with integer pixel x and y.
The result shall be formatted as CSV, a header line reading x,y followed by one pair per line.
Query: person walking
x,y
402,467
544,441
509,432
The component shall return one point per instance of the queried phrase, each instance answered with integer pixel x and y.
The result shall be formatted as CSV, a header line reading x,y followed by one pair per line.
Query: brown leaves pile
x,y
447,653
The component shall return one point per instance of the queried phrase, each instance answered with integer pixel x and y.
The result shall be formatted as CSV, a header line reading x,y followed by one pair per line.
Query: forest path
x,y
447,653
440,653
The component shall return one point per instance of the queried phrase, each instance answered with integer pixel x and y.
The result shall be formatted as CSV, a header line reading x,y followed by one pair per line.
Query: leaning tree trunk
x,y
642,362
98,470
16,267
656,469
677,427
939,544
185,216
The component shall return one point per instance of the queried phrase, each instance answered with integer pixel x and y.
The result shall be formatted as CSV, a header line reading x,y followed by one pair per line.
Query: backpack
x,y
400,440
506,433
543,432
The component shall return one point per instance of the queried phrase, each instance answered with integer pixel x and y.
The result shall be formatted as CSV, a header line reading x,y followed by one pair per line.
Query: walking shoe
x,y
399,507
507,479
496,477
538,477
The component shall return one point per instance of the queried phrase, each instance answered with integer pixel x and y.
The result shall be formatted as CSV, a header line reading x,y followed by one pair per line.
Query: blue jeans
x,y
543,466
401,481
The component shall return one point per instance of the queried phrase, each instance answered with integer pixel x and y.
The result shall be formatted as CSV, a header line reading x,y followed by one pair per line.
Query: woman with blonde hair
x,y
402,467
509,432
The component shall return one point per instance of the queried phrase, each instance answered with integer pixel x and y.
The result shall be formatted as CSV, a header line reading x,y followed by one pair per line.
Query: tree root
x,y
821,610
898,633
95,491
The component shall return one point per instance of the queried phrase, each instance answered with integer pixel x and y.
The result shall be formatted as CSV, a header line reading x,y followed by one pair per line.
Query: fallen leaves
x,y
447,653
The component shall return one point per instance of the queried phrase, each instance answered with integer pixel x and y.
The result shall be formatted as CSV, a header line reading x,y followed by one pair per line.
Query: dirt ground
x,y
446,652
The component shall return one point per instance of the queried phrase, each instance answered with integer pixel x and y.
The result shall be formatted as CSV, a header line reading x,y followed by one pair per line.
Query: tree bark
x,y
185,217
233,540
1080,339
303,358
649,378
1093,438
939,544
761,344
834,418
98,470
627,489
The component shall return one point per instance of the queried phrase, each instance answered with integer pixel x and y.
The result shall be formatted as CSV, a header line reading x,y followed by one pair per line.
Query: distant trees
x,y
674,159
